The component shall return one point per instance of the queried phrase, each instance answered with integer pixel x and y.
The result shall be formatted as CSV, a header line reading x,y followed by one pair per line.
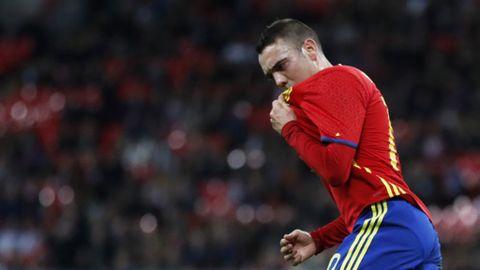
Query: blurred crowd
x,y
135,134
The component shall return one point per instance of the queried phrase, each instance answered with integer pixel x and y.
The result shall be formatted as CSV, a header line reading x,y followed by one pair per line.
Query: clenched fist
x,y
281,114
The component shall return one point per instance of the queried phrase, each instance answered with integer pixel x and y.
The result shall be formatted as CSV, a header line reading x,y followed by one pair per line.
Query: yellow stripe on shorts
x,y
378,210
370,238
367,224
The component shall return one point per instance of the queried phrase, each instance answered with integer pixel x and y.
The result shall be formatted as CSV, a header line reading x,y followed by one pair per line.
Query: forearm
x,y
332,162
329,235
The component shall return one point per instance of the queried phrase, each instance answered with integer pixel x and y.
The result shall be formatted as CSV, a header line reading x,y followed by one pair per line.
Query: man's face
x,y
285,64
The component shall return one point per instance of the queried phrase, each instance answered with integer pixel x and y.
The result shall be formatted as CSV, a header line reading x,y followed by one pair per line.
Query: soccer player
x,y
337,121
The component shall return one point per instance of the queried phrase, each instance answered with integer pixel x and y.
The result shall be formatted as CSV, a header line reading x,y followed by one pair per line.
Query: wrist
x,y
287,128
317,240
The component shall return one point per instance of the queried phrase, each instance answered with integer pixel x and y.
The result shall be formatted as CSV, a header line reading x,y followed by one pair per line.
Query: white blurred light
x,y
148,223
465,210
19,111
66,195
255,159
177,139
46,197
460,203
242,109
56,102
470,217
433,147
450,217
245,214
236,159
238,52
265,214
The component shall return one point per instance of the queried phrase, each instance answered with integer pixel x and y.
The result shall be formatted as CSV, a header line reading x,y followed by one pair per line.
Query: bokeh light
x,y
177,139
236,159
46,196
148,223
66,195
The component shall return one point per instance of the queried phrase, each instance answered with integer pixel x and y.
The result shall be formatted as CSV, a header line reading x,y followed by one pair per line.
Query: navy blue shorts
x,y
392,234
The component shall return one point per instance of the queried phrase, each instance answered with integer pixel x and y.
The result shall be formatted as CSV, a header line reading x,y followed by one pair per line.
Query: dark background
x,y
135,134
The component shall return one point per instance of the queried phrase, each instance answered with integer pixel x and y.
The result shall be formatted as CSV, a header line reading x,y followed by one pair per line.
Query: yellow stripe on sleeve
x,y
387,186
395,189
402,191
355,164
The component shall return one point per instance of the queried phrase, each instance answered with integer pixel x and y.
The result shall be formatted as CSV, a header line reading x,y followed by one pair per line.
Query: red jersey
x,y
343,133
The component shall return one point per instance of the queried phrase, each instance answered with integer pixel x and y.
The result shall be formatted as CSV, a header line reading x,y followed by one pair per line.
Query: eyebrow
x,y
275,67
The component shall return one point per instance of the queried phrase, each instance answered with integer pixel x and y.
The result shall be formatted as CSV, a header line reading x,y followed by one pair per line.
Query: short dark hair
x,y
289,29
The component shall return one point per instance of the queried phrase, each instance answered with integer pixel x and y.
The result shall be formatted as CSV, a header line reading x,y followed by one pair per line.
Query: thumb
x,y
281,99
282,102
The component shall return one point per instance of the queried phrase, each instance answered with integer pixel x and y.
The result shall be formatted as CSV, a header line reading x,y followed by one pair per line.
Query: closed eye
x,y
279,66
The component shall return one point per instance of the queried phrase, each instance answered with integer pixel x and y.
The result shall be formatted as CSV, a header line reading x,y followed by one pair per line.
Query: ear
x,y
310,49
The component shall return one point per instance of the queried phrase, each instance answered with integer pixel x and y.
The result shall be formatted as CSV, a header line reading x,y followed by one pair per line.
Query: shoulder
x,y
349,73
353,81
336,81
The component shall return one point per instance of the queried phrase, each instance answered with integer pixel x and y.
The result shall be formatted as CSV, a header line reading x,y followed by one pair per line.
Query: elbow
x,y
338,170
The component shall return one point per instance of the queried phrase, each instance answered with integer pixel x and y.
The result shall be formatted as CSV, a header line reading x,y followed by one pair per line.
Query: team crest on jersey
x,y
286,94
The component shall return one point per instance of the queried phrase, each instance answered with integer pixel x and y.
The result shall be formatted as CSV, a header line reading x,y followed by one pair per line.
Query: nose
x,y
280,80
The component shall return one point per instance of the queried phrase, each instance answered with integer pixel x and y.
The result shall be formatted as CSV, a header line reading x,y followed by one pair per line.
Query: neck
x,y
322,63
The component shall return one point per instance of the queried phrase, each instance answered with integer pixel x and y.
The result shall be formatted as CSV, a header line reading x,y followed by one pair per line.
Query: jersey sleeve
x,y
332,162
336,103
329,235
